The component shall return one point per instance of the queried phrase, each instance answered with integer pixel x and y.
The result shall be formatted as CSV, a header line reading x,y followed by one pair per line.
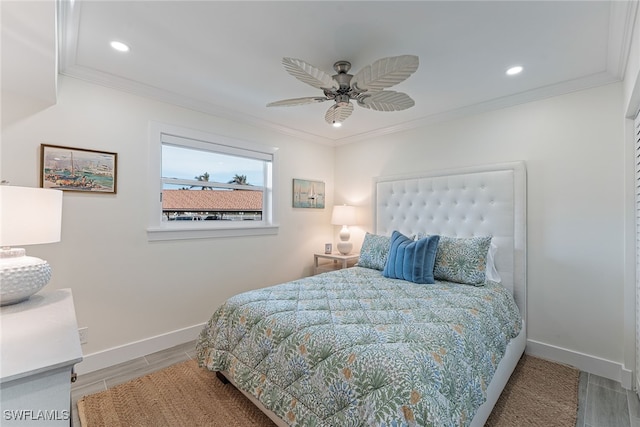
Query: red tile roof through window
x,y
211,200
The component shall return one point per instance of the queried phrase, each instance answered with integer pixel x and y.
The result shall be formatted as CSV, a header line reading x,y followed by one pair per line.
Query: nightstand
x,y
339,261
40,346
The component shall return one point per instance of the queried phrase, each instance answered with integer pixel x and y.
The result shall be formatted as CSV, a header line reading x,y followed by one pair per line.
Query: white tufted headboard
x,y
475,201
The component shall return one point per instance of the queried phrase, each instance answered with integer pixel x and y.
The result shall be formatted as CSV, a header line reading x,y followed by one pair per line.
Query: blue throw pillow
x,y
411,260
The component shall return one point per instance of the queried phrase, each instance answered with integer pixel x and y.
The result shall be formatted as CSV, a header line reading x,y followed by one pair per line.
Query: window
x,y
205,185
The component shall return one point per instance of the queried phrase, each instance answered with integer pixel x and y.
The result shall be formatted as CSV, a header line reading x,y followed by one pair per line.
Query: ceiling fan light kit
x,y
366,87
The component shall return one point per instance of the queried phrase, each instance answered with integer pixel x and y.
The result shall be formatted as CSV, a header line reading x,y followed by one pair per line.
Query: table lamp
x,y
344,215
28,216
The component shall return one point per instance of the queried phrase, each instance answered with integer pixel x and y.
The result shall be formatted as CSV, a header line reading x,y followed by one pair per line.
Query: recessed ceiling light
x,y
514,70
119,46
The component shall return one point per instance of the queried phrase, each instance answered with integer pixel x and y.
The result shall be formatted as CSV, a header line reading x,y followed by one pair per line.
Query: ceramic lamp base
x,y
345,247
21,276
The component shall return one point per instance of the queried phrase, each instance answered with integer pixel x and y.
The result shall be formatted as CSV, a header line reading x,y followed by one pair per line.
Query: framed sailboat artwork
x,y
308,194
78,169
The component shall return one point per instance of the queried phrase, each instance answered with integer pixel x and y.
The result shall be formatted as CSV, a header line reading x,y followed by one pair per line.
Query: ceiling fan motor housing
x,y
344,80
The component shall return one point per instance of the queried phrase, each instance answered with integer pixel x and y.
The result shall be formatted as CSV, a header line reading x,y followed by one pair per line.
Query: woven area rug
x,y
539,393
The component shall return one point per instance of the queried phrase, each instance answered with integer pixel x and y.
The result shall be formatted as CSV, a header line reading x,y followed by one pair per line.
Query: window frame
x,y
158,229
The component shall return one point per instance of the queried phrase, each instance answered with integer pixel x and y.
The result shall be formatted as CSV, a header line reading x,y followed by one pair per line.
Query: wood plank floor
x,y
601,402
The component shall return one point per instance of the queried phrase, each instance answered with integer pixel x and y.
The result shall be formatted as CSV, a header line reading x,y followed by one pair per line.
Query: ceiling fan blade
x,y
308,74
338,113
296,101
386,100
385,72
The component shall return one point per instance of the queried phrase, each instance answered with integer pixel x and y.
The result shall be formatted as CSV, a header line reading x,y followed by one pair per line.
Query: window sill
x,y
199,231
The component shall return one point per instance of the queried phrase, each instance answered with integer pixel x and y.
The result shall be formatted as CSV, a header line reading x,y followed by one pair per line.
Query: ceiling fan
x,y
365,87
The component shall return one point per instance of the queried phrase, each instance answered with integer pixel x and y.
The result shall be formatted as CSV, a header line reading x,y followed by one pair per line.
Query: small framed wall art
x,y
78,169
308,194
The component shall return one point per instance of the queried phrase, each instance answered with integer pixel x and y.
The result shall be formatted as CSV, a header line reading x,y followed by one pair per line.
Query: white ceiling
x,y
225,57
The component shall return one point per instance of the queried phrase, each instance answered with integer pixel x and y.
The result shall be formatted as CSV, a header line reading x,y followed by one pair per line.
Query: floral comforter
x,y
352,348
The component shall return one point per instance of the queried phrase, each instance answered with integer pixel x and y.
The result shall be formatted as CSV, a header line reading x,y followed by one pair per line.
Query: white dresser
x,y
39,346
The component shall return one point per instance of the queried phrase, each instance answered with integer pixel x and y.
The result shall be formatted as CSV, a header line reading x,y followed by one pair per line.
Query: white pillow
x,y
490,272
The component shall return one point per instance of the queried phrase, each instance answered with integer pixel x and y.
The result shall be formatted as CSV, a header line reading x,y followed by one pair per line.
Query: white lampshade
x,y
28,216
343,215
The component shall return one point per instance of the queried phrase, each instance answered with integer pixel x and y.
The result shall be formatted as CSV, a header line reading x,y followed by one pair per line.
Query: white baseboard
x,y
124,353
585,362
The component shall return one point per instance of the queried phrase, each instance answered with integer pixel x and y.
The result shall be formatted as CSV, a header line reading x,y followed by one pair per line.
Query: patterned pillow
x,y
374,252
462,259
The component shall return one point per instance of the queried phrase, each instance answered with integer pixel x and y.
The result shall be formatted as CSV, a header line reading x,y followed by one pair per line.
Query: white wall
x,y
573,146
125,288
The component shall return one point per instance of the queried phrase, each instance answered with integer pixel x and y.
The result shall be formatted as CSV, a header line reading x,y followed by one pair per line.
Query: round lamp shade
x,y
28,216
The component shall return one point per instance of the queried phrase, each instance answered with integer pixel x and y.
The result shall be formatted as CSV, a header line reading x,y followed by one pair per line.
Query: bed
x,y
367,346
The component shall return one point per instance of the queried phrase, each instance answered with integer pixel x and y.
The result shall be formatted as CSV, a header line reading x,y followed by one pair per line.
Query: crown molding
x,y
621,20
